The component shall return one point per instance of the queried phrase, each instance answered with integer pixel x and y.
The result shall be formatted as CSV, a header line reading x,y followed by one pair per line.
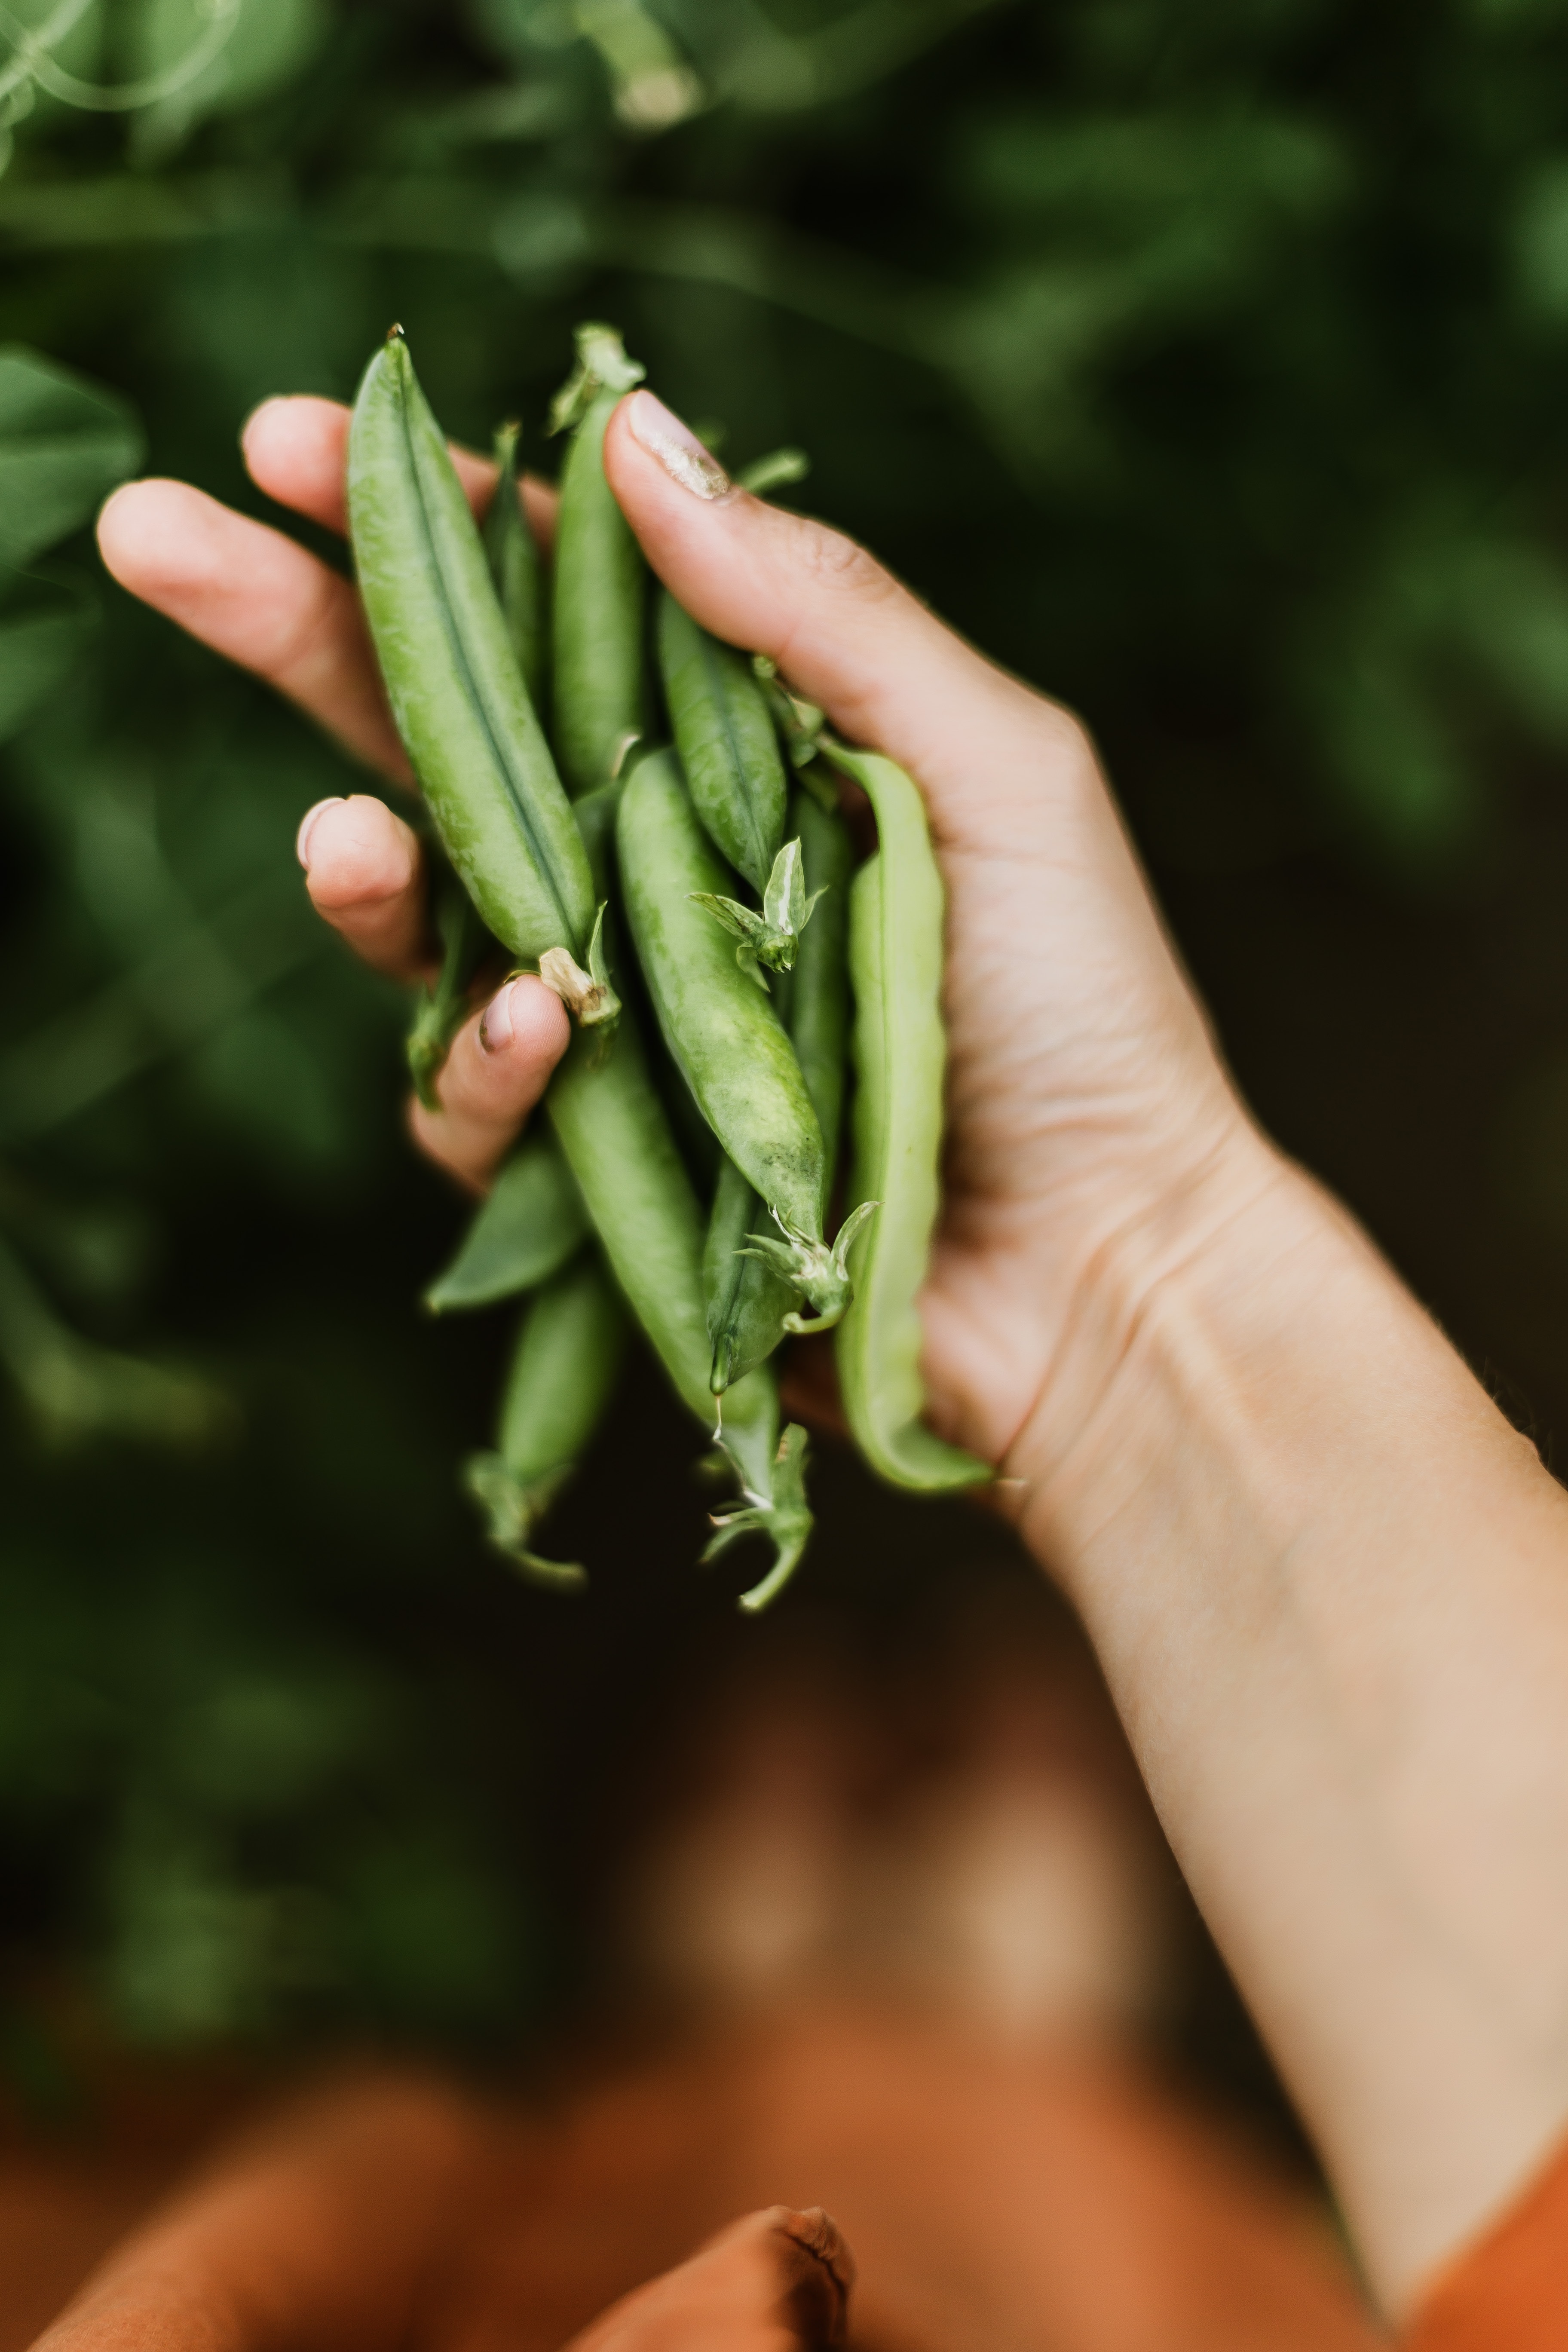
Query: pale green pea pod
x,y
531,1224
747,1301
895,964
452,678
724,733
817,1008
616,1137
600,578
563,1376
722,1031
518,573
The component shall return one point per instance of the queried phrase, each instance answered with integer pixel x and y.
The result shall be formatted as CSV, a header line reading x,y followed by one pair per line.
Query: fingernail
x,y
495,1020
307,826
677,448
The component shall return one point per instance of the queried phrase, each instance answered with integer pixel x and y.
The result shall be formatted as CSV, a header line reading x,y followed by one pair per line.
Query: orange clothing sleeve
x,y
1507,2292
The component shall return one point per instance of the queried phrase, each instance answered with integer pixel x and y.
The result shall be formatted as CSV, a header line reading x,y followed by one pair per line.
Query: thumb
x,y
844,632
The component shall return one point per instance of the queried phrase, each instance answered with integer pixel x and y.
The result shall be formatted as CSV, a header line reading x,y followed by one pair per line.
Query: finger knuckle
x,y
840,563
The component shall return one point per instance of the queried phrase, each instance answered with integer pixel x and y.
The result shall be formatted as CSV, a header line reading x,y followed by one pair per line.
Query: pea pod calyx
x,y
783,1516
822,1272
590,995
603,365
773,936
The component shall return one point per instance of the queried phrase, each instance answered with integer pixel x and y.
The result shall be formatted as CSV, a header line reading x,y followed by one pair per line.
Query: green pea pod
x,y
517,572
750,1305
724,733
453,681
722,1030
747,1301
532,1224
816,1010
441,1010
616,1137
563,1376
601,580
895,908
596,813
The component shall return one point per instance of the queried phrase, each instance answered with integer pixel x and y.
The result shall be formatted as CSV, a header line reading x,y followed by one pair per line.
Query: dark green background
x,y
1206,360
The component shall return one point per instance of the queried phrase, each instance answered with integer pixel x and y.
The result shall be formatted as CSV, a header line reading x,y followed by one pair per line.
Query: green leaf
x,y
42,629
64,444
525,1231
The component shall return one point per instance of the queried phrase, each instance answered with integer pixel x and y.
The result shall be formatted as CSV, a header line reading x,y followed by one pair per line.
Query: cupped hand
x,y
1094,1138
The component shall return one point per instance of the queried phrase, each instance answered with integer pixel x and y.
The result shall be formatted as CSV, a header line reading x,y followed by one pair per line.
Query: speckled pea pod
x,y
600,579
564,1371
894,964
518,572
724,733
453,681
722,1028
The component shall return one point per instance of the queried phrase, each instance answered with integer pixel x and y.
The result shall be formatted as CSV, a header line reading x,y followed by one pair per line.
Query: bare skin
x,y
1325,1579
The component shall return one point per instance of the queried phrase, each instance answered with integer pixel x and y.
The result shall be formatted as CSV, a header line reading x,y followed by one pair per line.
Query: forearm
x,y
1329,1585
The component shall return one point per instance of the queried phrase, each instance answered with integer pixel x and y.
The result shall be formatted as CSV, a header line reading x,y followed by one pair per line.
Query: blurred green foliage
x,y
1207,359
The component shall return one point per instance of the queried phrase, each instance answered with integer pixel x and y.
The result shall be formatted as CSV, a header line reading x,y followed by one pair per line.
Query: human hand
x,y
1324,1579
1089,1116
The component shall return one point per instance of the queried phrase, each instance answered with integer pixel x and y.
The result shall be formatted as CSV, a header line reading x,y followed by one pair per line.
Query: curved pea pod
x,y
600,578
894,964
563,1376
517,572
532,1224
613,1130
751,1306
747,1301
724,733
452,678
722,1029
817,1012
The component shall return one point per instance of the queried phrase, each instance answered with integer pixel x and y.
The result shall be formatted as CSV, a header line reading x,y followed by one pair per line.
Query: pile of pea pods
x,y
648,820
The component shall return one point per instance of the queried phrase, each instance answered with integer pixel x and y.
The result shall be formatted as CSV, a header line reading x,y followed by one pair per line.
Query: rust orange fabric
x,y
1508,2292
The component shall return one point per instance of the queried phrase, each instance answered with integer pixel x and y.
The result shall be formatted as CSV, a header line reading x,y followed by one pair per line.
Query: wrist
x,y
1323,1577
1186,1303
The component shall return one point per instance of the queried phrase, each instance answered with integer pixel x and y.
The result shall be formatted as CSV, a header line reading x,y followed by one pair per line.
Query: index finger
x,y
297,449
